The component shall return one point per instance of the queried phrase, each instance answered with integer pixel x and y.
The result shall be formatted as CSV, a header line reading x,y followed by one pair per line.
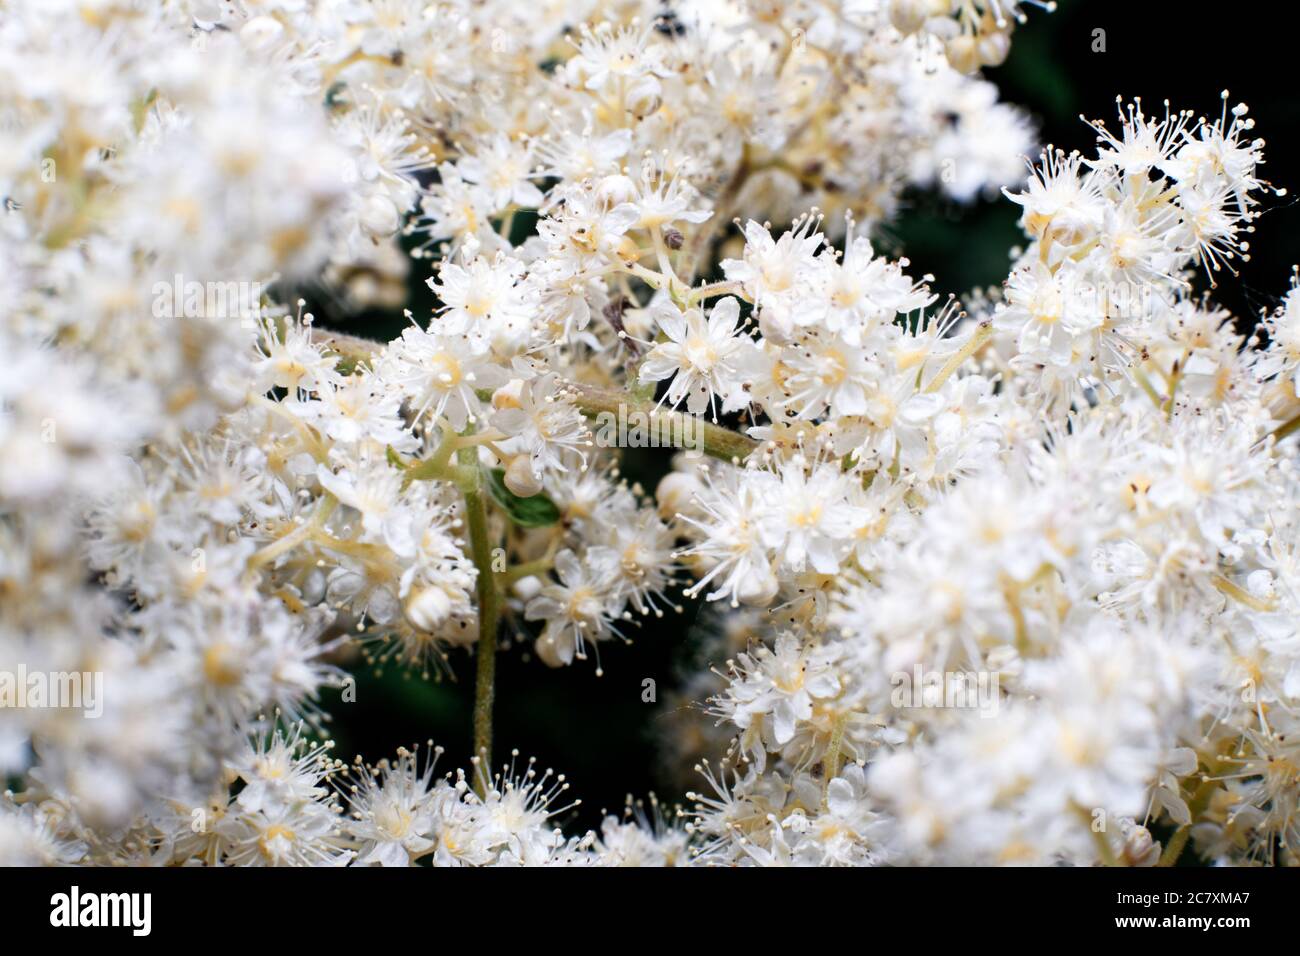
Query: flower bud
x,y
460,632
993,48
616,189
643,98
527,588
675,493
963,53
759,590
547,652
1140,848
628,250
428,608
380,217
206,12
908,16
521,479
507,396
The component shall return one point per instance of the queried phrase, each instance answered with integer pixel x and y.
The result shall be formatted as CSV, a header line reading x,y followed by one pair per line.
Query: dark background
x,y
597,730
1156,50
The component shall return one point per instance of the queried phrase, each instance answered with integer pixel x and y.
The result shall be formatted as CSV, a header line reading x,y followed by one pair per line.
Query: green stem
x,y
286,543
1174,849
1140,377
1282,431
717,441
715,289
981,335
591,400
527,569
831,763
1200,800
438,466
1104,850
489,609
1239,594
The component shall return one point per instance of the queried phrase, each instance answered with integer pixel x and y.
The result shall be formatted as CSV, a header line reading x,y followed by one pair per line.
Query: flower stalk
x,y
592,400
489,609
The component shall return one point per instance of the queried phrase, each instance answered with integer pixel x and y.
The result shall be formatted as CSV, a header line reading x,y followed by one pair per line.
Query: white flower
x,y
1283,355
302,834
579,608
372,490
735,540
279,770
772,690
707,359
545,429
670,199
780,276
290,360
865,292
485,300
812,514
1073,498
610,55
440,374
504,167
391,810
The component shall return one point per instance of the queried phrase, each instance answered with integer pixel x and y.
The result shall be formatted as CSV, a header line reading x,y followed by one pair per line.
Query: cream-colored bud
x,y
908,16
759,590
380,217
616,189
1140,848
428,608
521,479
675,493
507,396
526,588
628,250
994,47
963,53
548,652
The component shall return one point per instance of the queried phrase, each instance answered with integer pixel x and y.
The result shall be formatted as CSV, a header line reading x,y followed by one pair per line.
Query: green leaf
x,y
535,512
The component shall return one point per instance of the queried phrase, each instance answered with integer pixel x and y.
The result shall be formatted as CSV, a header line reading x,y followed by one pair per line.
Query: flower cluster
x,y
1095,517
1074,498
